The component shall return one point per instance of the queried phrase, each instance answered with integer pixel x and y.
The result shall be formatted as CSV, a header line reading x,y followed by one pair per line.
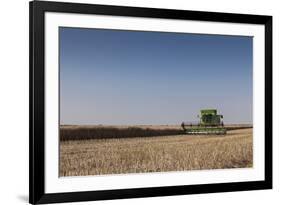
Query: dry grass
x,y
156,154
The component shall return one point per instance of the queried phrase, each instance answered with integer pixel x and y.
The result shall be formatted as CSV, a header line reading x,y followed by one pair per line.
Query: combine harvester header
x,y
210,124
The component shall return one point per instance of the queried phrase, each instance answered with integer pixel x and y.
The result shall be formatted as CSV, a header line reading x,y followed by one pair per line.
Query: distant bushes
x,y
85,133
238,127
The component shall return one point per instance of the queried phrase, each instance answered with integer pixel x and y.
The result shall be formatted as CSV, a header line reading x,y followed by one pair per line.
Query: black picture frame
x,y
37,193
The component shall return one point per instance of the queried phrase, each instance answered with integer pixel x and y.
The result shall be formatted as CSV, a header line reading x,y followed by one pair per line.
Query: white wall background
x,y
14,100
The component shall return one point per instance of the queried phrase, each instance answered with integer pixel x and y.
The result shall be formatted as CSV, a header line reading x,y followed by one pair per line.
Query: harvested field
x,y
156,154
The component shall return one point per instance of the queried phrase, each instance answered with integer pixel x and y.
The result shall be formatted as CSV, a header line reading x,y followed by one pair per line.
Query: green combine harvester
x,y
210,124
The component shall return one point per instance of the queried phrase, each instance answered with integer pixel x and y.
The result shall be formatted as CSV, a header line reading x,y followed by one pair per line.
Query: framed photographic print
x,y
141,102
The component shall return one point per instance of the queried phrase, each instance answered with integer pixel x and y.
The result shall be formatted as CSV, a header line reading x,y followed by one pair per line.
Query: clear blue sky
x,y
135,77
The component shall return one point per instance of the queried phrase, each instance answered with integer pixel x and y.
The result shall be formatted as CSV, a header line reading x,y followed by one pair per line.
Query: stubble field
x,y
177,152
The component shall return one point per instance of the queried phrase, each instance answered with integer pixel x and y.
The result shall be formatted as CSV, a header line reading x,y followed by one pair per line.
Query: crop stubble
x,y
156,154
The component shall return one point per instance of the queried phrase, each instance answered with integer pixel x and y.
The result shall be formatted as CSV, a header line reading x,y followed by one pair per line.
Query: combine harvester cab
x,y
210,124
